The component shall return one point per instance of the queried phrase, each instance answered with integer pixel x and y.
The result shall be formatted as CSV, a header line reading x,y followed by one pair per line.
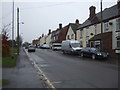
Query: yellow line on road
x,y
47,80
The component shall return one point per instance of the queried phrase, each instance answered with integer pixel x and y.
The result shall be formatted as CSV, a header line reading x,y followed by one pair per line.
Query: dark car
x,y
31,48
26,47
93,53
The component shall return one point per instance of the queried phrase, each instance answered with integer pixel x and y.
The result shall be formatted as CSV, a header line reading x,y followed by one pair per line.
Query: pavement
x,y
24,75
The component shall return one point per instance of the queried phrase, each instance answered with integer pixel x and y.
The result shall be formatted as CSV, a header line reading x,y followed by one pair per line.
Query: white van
x,y
71,46
56,46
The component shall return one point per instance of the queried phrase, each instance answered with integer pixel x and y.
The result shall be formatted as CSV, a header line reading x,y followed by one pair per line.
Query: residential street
x,y
62,71
50,45
71,71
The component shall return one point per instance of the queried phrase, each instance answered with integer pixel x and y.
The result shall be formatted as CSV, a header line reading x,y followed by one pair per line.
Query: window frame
x,y
81,34
87,32
118,24
106,26
118,42
95,29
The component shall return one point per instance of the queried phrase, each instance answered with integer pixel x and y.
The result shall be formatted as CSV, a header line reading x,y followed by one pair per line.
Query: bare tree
x,y
5,42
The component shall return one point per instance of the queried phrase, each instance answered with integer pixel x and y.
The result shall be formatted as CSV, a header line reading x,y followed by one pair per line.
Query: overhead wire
x,y
46,6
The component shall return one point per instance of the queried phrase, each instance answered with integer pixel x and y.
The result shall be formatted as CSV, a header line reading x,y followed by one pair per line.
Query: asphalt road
x,y
71,71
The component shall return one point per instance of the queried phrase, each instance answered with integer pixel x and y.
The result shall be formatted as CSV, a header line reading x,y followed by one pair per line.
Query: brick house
x,y
60,34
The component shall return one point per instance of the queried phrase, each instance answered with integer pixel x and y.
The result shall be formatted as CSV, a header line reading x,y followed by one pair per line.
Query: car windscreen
x,y
75,45
94,49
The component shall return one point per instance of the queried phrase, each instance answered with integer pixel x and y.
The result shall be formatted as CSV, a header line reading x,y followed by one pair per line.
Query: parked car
x,y
26,47
45,46
71,46
31,48
93,53
56,46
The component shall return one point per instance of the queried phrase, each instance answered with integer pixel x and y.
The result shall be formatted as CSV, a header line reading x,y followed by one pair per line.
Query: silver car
x,y
31,48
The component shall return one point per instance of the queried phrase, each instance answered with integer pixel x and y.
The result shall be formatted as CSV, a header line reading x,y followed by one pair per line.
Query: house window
x,y
72,36
81,33
97,44
118,24
68,37
95,29
106,26
92,44
87,32
56,38
87,44
118,42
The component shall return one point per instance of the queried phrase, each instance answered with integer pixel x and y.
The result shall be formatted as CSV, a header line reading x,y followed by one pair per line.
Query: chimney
x,y
92,12
42,35
60,26
49,32
118,4
77,21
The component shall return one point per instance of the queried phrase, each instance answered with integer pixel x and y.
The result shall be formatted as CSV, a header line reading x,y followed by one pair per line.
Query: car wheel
x,y
82,55
93,56
63,52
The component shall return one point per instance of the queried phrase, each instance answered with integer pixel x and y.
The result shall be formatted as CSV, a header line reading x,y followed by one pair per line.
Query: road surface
x,y
72,71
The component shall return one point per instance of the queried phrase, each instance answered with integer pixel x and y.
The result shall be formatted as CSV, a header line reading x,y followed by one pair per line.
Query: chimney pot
x,y
77,21
49,32
42,35
60,26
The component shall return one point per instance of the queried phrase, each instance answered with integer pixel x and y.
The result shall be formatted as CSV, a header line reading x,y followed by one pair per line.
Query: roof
x,y
107,14
74,26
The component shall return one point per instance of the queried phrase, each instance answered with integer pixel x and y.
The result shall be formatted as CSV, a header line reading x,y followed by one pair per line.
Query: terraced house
x,y
107,38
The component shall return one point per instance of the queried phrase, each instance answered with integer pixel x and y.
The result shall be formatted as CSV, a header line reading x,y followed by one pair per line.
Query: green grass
x,y
4,82
14,49
8,61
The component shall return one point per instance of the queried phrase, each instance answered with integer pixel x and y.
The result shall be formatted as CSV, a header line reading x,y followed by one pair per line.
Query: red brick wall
x,y
107,43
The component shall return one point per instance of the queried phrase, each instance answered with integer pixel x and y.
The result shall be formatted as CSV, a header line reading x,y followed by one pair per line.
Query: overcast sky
x,y
40,16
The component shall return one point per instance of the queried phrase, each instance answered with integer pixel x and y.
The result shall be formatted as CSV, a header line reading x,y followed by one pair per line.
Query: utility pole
x,y
101,27
18,30
13,29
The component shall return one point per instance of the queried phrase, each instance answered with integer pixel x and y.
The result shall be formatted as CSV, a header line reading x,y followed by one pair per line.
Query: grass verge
x,y
9,61
5,82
